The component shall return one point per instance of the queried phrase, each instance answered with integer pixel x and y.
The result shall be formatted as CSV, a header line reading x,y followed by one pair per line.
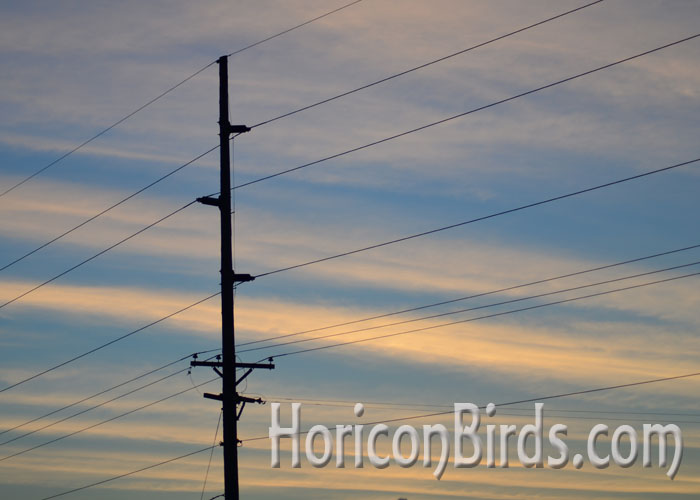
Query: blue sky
x,y
72,68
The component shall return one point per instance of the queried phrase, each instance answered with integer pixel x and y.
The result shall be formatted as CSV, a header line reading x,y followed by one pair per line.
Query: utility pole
x,y
229,397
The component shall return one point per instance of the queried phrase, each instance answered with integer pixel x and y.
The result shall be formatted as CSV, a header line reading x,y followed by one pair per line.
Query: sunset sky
x,y
73,68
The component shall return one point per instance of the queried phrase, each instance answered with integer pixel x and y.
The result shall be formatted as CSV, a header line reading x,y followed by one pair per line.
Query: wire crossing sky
x,y
567,131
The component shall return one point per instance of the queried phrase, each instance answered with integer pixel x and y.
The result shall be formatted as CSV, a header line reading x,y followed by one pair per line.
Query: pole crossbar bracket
x,y
209,200
220,364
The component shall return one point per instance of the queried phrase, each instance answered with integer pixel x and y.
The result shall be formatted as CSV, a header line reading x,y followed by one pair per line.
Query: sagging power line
x,y
163,94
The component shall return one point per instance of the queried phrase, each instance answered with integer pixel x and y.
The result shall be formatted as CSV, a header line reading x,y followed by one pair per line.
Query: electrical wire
x,y
460,311
386,140
129,473
295,27
26,450
513,412
292,113
94,407
511,403
111,207
478,219
104,391
104,131
163,94
521,401
473,296
465,113
494,315
424,65
422,406
106,344
216,435
101,252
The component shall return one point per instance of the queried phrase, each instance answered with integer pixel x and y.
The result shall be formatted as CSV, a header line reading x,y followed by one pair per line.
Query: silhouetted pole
x,y
227,333
229,397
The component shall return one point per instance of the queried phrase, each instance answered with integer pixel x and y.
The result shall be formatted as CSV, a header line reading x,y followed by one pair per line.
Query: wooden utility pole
x,y
229,397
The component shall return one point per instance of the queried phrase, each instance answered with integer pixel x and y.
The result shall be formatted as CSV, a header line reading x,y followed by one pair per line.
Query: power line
x,y
460,311
422,406
22,452
474,110
163,94
357,251
386,140
473,296
216,435
513,412
425,65
521,401
85,261
94,407
494,315
294,28
115,205
106,344
104,131
413,417
121,384
294,112
129,473
549,200
478,219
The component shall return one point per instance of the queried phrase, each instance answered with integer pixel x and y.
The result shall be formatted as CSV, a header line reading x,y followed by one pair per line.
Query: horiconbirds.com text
x,y
467,447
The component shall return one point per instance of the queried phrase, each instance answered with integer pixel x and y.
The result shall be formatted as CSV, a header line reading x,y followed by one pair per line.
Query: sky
x,y
73,68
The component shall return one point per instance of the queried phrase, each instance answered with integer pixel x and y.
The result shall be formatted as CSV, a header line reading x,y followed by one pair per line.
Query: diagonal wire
x,y
104,131
473,296
111,207
485,217
494,315
85,261
106,344
521,401
121,384
294,28
22,452
161,95
465,113
216,435
476,308
128,473
425,65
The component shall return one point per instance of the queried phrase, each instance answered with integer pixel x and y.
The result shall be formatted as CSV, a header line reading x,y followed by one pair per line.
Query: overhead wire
x,y
469,320
102,422
522,401
94,407
472,296
106,344
381,140
465,113
113,478
482,218
424,65
111,207
412,417
163,94
366,248
423,406
475,308
211,455
104,391
400,239
386,140
518,412
94,256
